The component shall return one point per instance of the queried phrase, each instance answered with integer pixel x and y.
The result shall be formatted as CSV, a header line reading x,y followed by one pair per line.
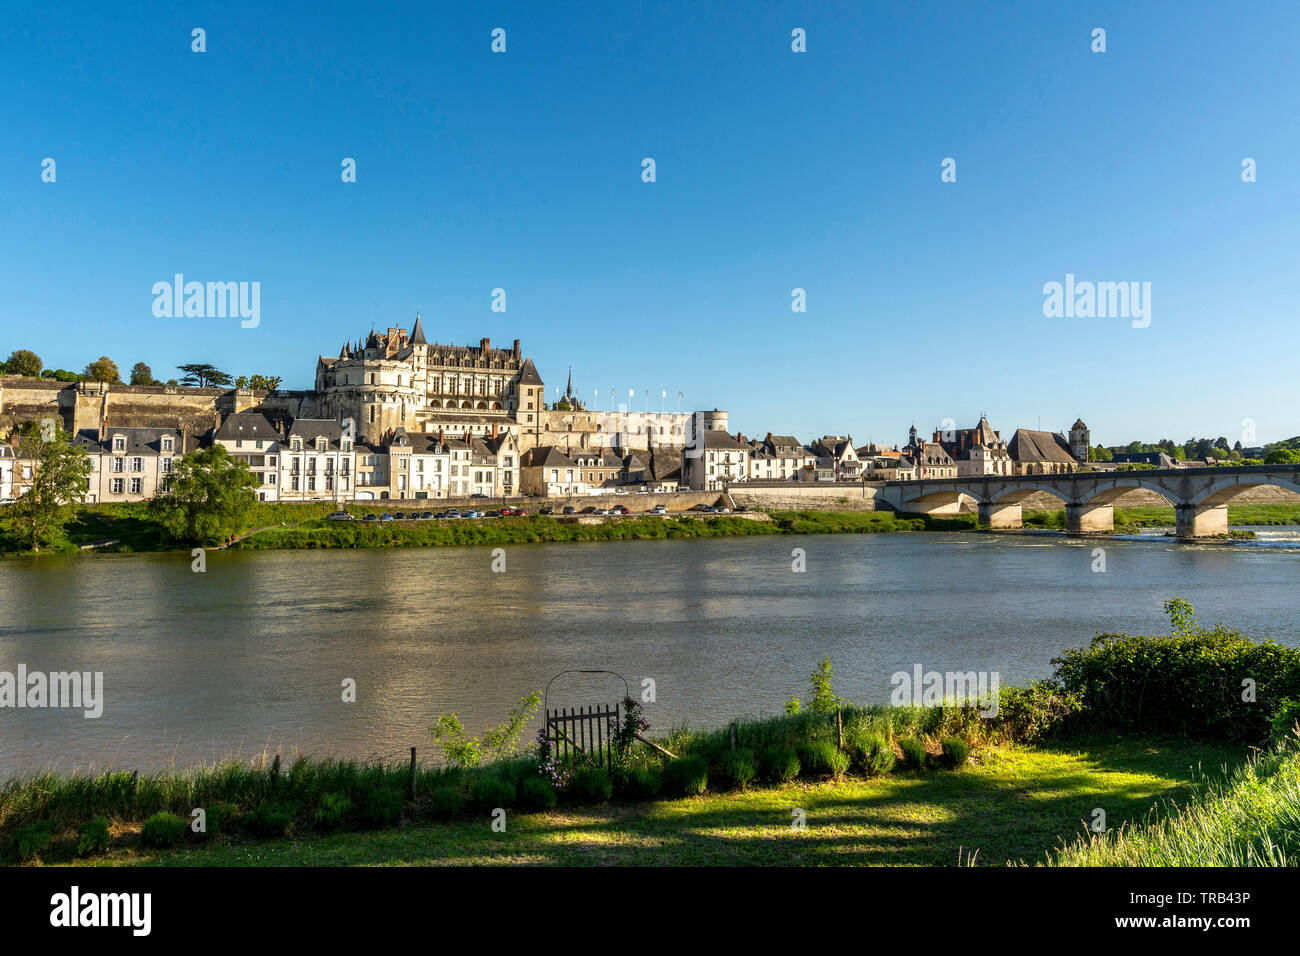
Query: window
x,y
167,444
137,464
115,486
119,443
136,486
166,465
117,465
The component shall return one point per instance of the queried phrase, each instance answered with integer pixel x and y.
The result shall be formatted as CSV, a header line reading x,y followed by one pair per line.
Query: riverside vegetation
x,y
1122,724
134,527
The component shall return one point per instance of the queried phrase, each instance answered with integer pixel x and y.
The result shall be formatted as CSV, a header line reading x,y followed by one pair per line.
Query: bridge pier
x,y
1082,519
1200,521
993,515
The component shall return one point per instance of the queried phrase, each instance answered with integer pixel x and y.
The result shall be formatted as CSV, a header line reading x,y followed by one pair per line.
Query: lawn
x,y
1012,803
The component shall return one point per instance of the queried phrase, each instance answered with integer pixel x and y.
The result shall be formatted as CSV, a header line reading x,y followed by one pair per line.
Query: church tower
x,y
1080,441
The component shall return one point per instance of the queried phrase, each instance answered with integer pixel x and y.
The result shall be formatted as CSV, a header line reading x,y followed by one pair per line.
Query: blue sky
x,y
775,170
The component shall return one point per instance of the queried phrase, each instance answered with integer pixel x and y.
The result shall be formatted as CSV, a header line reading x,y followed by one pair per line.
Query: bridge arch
x,y
1222,491
1016,494
1107,493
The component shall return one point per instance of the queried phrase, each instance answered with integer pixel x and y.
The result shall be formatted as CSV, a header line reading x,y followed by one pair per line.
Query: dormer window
x,y
297,444
167,444
119,443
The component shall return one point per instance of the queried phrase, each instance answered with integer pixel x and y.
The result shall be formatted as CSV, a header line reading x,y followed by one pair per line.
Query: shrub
x,y
1037,711
590,785
955,751
269,820
687,776
219,814
445,801
162,830
333,810
638,783
870,754
780,764
93,837
381,805
33,839
738,770
491,791
823,757
537,793
914,753
1188,683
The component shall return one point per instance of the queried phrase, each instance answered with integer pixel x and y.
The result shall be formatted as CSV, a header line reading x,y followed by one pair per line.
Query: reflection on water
x,y
252,653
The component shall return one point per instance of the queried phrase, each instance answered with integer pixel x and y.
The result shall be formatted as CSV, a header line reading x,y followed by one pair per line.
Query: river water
x,y
252,653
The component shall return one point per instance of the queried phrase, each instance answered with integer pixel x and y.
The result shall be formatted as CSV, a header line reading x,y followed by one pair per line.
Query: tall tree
x,y
142,374
104,369
24,362
61,472
206,496
202,375
264,383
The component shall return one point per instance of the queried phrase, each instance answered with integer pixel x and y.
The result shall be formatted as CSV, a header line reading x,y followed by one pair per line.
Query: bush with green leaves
x,y
269,820
870,754
537,793
914,753
737,769
821,757
163,830
1189,683
219,816
590,784
332,811
955,751
502,741
687,776
92,837
446,801
33,839
638,783
381,804
779,763
1041,709
490,791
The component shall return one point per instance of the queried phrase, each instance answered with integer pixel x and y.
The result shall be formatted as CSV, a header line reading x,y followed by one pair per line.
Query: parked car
x,y
700,508
472,514
453,512
722,510
570,510
619,510
658,510
339,516
426,515
598,511
371,518
515,512
440,515
399,515
478,496
741,509
546,510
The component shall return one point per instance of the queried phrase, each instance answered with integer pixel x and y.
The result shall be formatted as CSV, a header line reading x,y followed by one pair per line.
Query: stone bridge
x,y
1200,496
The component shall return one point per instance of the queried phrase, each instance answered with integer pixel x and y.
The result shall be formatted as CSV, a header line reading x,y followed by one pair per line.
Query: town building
x,y
317,462
1040,453
250,438
548,472
129,464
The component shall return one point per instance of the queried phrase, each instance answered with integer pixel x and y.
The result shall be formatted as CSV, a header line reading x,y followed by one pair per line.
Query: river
x,y
252,653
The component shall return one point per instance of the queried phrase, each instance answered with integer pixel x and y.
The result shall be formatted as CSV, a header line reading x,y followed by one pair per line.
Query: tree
x,y
60,475
104,369
265,383
1102,453
1282,456
142,374
206,497
202,375
24,362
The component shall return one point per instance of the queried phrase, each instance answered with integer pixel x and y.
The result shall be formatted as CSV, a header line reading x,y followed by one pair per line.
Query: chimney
x,y
516,349
494,431
483,344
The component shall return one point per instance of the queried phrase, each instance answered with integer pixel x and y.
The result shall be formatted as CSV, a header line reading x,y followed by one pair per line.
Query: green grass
x,y
1010,803
1249,818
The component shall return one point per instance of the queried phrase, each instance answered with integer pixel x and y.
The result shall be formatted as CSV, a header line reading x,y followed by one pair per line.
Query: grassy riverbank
x,y
122,528
1012,805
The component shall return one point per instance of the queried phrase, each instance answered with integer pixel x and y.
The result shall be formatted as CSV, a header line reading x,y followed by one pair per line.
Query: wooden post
x,y
410,787
135,788
839,726
733,735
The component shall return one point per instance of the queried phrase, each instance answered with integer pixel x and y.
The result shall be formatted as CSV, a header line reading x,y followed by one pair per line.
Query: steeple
x,y
417,333
568,393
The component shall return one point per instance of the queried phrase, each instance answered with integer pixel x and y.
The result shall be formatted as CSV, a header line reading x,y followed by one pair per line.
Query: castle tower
x,y
1080,441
